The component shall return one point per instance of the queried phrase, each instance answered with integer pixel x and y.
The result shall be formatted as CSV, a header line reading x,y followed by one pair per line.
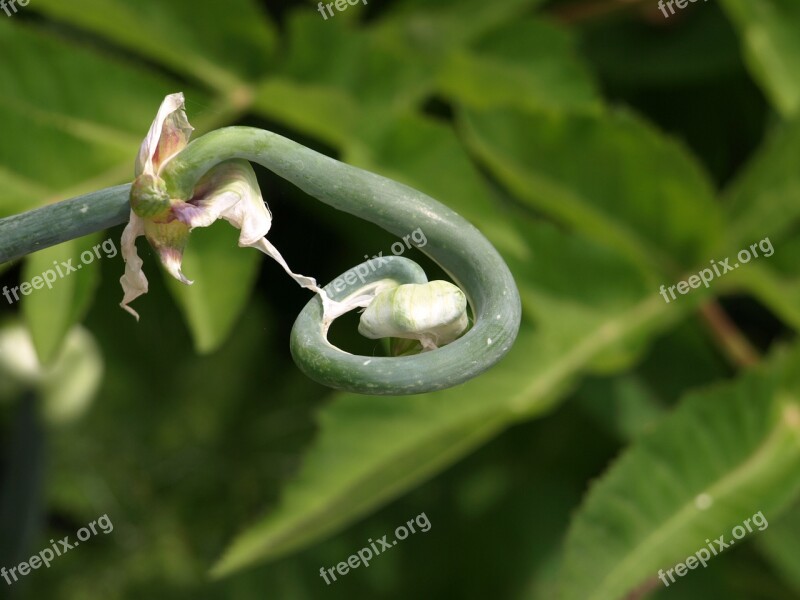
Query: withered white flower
x,y
229,191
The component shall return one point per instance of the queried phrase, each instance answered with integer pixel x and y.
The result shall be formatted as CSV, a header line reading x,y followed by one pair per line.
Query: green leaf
x,y
764,200
525,64
366,66
76,117
780,292
724,455
366,81
160,31
426,155
625,405
768,31
611,177
51,310
449,23
780,545
224,276
328,113
763,203
703,49
371,449
18,192
370,76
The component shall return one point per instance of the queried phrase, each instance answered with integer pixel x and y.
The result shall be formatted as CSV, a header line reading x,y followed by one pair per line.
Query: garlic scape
x,y
433,313
181,185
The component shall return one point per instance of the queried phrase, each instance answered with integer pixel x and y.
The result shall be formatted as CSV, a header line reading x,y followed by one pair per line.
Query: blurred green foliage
x,y
603,149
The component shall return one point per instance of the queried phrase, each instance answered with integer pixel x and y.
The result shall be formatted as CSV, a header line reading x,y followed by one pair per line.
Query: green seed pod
x,y
434,313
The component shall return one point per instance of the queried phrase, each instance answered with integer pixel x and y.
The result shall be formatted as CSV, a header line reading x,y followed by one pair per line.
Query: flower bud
x,y
434,313
149,197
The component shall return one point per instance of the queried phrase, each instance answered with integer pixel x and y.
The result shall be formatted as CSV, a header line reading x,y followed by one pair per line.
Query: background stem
x,y
736,347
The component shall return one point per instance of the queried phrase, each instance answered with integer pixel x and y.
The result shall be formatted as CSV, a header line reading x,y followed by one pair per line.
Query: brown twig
x,y
732,341
643,590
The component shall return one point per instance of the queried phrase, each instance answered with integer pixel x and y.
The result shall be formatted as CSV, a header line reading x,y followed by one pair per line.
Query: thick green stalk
x,y
57,223
458,247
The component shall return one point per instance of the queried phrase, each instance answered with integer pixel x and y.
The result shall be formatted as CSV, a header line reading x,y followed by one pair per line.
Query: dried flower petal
x,y
168,135
134,283
229,191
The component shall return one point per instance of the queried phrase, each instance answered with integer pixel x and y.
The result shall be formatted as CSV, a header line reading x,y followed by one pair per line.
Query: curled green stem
x,y
453,243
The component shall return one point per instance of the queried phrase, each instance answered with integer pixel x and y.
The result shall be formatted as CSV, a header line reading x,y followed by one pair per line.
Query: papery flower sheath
x,y
434,313
229,191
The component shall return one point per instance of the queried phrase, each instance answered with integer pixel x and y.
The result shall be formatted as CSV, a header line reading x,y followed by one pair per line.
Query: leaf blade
x,y
722,456
50,313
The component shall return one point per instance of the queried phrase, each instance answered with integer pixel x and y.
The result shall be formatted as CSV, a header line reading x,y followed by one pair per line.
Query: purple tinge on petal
x,y
174,137
168,135
202,212
169,240
229,191
172,259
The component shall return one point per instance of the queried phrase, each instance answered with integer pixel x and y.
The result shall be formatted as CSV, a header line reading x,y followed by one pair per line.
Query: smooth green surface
x,y
58,223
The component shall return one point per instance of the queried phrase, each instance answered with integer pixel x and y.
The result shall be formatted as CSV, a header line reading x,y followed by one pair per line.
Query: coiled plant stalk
x,y
453,243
